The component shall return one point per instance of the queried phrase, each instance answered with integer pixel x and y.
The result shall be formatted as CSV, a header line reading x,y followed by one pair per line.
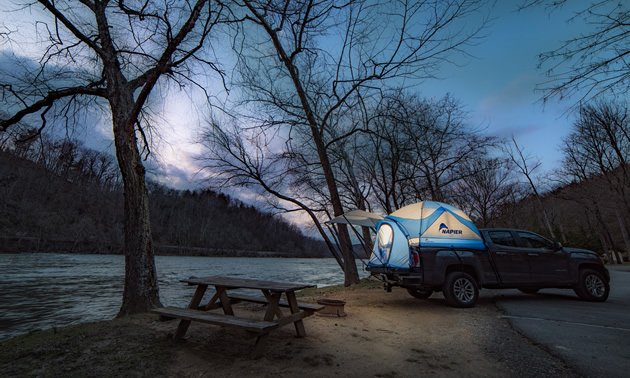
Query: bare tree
x,y
385,154
590,191
418,149
306,64
599,147
238,159
526,165
595,63
112,54
488,185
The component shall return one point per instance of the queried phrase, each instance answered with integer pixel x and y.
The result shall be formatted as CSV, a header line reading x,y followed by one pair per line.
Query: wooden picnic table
x,y
259,328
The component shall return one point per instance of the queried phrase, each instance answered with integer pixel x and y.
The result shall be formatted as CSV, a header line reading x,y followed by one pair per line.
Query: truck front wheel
x,y
460,290
591,286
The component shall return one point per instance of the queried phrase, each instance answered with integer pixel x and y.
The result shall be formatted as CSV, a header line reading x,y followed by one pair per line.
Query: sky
x,y
496,86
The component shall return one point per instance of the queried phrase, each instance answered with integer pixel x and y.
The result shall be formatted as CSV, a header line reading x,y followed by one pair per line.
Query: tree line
x,y
588,204
59,196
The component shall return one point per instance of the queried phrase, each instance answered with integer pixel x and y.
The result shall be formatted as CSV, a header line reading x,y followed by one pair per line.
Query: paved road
x,y
593,338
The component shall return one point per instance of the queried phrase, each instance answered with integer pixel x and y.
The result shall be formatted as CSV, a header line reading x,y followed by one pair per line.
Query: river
x,y
46,290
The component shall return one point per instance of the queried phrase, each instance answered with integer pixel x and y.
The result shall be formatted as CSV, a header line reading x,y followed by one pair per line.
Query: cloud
x,y
517,130
516,94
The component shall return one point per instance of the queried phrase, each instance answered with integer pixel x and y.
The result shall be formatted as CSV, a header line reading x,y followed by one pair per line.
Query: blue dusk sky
x,y
498,85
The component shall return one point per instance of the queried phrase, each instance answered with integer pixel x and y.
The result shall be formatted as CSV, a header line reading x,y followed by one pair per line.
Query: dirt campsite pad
x,y
383,335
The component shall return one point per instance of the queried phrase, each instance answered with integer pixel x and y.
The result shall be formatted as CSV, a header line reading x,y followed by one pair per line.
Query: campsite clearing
x,y
383,335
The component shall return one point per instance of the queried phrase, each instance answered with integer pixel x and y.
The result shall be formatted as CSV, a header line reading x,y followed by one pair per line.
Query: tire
x,y
592,286
419,293
460,290
527,290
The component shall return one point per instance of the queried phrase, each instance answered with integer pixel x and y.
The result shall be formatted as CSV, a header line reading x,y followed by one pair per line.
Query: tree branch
x,y
68,24
48,101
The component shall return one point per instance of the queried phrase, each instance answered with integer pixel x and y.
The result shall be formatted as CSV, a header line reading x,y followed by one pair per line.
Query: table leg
x,y
225,301
260,345
273,308
194,303
208,306
293,305
197,297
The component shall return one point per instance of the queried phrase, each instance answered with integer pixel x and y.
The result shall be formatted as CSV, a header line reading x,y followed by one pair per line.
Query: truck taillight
x,y
415,258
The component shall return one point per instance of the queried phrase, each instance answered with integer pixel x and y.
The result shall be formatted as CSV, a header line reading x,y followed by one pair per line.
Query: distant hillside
x,y
73,203
587,214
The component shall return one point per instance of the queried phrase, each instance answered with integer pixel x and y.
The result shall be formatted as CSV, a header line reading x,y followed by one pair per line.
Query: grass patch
x,y
122,347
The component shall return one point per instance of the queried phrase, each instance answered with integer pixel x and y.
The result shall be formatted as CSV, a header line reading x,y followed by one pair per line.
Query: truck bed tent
x,y
423,224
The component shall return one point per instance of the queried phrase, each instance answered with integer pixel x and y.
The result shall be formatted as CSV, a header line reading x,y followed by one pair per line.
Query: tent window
x,y
385,240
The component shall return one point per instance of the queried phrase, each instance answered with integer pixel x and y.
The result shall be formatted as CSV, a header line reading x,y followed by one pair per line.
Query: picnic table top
x,y
244,283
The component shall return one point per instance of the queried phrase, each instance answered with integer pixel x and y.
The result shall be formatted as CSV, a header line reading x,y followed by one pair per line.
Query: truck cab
x,y
530,262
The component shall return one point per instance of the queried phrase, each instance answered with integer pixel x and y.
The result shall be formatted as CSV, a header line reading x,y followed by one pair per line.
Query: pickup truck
x,y
514,259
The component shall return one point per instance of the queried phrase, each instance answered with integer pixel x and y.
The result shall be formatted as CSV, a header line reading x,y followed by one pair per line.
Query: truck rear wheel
x,y
460,290
592,286
419,293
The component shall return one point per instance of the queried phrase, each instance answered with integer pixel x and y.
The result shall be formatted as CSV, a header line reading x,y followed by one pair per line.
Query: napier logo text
x,y
445,230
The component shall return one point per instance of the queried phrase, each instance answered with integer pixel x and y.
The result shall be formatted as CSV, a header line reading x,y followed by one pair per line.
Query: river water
x,y
46,290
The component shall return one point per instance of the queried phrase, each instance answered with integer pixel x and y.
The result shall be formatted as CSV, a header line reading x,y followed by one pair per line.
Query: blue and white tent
x,y
424,224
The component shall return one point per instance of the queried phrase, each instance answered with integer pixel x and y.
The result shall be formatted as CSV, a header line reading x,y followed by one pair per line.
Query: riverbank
x,y
383,335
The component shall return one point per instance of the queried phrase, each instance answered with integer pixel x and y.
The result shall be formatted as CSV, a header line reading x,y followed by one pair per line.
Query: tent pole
x,y
352,250
360,237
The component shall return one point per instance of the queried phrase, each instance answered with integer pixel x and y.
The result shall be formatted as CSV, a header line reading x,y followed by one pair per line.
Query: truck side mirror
x,y
557,246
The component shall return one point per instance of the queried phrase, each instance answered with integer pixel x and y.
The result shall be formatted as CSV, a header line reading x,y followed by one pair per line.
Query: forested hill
x,y
75,204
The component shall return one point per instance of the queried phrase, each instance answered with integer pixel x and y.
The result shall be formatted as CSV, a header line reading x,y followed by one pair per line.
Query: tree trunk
x,y
624,230
351,275
367,236
141,292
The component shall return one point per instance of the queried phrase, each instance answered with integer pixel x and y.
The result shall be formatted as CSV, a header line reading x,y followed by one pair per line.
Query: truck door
x,y
511,261
547,263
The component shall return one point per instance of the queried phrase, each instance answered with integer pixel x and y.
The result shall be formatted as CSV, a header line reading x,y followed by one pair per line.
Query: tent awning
x,y
358,218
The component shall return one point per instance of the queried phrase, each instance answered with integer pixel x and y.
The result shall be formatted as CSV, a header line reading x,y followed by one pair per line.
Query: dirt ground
x,y
383,335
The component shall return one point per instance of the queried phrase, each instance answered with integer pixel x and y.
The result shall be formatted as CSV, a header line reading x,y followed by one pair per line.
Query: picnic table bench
x,y
272,293
309,307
